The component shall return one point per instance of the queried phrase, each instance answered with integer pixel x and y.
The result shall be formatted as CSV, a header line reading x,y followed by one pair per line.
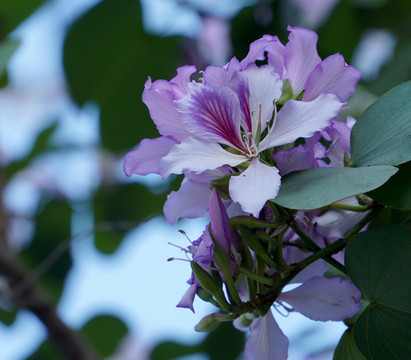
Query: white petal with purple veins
x,y
302,119
211,113
196,155
254,186
266,341
265,86
324,299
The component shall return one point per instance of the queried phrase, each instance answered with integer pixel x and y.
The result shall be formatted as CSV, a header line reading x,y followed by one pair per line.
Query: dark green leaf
x,y
347,349
169,350
396,192
369,3
341,33
384,333
390,216
7,316
378,263
40,146
48,251
382,135
7,48
119,208
107,59
46,351
314,188
13,12
223,343
105,332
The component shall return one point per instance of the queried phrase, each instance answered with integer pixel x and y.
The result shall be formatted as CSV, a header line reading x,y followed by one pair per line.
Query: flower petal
x,y
146,159
274,49
189,202
188,298
219,223
159,97
302,119
254,186
297,158
324,299
334,76
264,86
197,156
300,56
212,114
266,341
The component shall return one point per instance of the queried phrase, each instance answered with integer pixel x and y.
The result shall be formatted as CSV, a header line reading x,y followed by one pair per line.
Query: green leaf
x,y
369,3
7,316
389,216
107,59
382,135
347,349
120,208
224,343
378,263
314,188
41,145
7,49
48,251
105,332
169,350
396,192
47,350
13,12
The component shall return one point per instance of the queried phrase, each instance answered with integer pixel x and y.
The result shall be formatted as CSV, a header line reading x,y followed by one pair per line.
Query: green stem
x,y
314,247
340,244
254,276
251,222
348,207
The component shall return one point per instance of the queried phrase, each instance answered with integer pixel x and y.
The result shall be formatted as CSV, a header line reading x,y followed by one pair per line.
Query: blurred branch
x,y
31,297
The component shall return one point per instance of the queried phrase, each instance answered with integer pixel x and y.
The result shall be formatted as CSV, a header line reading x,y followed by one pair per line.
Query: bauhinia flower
x,y
237,114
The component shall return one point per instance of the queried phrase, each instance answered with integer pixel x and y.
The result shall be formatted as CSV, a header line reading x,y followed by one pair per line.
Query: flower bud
x,y
210,322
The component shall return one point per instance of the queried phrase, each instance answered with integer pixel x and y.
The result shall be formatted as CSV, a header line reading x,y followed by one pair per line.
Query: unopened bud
x,y
210,322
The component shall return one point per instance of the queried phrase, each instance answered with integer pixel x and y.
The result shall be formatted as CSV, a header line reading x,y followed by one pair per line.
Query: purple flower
x,y
231,118
203,248
318,298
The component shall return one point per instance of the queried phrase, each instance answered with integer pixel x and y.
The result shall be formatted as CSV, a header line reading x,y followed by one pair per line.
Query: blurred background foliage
x,y
107,57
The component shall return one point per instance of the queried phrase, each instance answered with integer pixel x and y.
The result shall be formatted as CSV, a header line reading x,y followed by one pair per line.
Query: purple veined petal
x,y
300,56
219,222
189,202
324,299
146,158
159,97
265,86
266,341
254,186
334,76
294,159
181,80
197,156
188,298
212,114
301,119
274,49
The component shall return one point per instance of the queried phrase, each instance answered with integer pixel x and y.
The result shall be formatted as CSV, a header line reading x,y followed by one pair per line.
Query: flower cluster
x,y
234,134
